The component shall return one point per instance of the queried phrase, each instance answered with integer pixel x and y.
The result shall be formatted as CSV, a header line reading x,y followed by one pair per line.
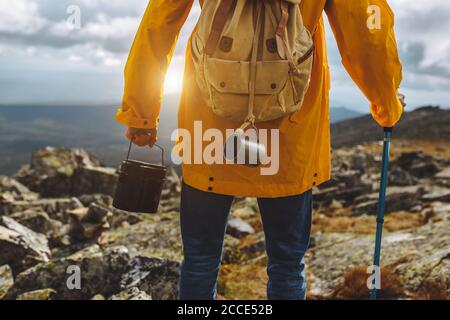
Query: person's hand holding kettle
x,y
142,137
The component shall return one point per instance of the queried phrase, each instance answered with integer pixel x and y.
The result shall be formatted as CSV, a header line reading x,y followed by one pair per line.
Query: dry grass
x,y
432,290
433,148
354,286
366,224
243,282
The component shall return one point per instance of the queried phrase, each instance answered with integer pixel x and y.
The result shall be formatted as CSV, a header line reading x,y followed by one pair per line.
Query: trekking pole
x,y
381,206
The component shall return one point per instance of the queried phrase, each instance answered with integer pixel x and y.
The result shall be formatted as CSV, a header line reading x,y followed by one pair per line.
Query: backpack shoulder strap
x,y
281,29
218,25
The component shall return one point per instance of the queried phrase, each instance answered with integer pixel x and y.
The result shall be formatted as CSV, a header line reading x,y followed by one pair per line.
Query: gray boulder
x,y
13,190
417,256
42,294
131,294
397,199
6,280
57,172
419,164
239,228
100,270
157,277
437,194
38,221
21,247
89,223
55,208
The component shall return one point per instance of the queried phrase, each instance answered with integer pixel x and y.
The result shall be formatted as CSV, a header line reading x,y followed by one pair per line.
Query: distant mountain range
x,y
338,114
25,128
429,123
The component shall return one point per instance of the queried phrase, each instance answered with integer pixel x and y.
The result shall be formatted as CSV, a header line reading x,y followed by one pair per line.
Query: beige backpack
x,y
253,58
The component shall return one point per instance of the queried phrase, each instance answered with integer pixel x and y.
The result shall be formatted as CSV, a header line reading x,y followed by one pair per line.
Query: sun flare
x,y
173,82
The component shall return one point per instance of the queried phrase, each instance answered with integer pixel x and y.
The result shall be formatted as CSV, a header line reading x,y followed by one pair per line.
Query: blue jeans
x,y
287,227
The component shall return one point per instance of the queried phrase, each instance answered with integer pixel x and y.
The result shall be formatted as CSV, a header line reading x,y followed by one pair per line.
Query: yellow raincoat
x,y
368,54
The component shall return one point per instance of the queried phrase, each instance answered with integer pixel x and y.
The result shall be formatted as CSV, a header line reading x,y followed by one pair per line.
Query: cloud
x,y
422,29
35,34
424,45
19,17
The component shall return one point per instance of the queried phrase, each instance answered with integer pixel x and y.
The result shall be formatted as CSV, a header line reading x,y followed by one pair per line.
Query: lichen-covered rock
x,y
414,254
6,280
42,294
56,172
13,190
239,228
55,208
418,164
169,205
21,247
253,246
120,217
103,200
172,185
442,178
231,250
433,265
243,212
437,194
100,271
156,236
444,174
131,294
397,199
157,277
38,221
399,177
94,180
89,223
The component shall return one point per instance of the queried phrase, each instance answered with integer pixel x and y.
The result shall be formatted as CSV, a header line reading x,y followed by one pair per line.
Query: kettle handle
x,y
156,145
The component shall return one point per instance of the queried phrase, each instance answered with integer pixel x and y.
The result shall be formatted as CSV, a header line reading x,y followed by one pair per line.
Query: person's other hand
x,y
142,137
402,99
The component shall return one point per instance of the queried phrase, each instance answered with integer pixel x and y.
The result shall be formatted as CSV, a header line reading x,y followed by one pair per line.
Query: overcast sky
x,y
42,60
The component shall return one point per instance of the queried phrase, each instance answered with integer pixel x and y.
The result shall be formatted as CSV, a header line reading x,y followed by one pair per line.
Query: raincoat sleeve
x,y
148,61
364,31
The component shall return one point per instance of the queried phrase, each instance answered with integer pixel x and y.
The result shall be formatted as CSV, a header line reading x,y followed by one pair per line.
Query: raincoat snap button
x,y
223,84
273,85
210,188
145,122
211,179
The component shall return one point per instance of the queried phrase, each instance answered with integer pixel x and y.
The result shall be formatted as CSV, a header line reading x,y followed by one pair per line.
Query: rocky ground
x,y
56,213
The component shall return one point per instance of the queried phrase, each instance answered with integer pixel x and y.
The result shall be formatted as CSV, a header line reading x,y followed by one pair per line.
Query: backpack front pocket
x,y
228,83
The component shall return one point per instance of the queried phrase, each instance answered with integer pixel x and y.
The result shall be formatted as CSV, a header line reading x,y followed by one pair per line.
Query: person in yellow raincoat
x,y
370,57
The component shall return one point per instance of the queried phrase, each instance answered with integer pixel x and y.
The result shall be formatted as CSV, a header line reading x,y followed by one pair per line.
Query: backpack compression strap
x,y
218,25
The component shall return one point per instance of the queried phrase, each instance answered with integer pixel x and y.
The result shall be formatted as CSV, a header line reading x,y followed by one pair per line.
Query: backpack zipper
x,y
294,69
